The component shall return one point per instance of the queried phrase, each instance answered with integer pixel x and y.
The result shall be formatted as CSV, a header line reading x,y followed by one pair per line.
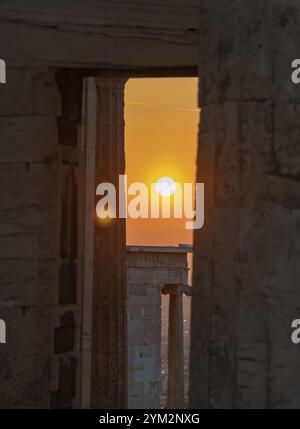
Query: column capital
x,y
176,289
110,82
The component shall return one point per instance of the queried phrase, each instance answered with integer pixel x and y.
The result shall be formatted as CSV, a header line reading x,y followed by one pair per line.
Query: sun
x,y
165,186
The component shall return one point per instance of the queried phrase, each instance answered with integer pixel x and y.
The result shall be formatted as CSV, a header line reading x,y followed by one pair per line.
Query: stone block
x,y
28,139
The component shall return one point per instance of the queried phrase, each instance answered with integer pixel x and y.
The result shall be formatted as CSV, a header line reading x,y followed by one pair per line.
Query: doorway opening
x,y
161,123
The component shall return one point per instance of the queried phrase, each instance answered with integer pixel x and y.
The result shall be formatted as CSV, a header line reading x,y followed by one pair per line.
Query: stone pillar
x,y
175,345
109,366
29,234
247,257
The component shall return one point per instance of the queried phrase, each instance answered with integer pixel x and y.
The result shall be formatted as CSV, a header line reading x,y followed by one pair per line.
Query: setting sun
x,y
161,138
165,186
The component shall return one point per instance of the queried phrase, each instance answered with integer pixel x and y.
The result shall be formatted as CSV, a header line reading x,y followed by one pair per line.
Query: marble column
x,y
109,366
176,344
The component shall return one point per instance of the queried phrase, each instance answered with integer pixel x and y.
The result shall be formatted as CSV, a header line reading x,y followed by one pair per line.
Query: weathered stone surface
x,y
29,235
96,34
244,258
147,273
247,255
30,92
108,385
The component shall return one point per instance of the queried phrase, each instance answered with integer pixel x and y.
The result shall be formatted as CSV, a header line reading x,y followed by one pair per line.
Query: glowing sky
x,y
161,122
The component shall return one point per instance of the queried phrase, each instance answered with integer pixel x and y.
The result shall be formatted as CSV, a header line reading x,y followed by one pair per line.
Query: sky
x,y
161,123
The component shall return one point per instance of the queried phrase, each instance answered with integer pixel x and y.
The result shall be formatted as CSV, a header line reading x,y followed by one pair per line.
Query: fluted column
x,y
109,297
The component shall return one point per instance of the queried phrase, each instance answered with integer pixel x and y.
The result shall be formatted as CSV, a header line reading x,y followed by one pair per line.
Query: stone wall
x,y
30,103
246,260
65,344
147,273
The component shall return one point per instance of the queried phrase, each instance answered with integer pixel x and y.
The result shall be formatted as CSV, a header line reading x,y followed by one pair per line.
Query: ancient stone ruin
x,y
63,280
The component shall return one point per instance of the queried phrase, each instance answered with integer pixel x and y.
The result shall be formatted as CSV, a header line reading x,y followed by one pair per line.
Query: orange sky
x,y
161,122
